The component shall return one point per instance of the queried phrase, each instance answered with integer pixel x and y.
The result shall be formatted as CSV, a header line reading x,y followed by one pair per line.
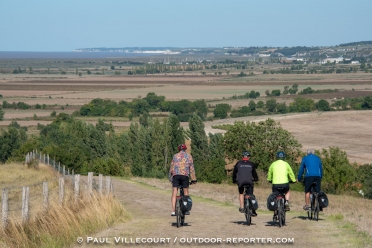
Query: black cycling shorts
x,y
309,180
284,185
180,180
250,189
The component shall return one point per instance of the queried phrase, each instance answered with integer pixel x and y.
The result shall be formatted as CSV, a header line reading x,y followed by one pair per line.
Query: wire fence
x,y
24,202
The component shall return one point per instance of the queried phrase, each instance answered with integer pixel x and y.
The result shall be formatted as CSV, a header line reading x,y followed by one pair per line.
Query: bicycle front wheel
x,y
247,212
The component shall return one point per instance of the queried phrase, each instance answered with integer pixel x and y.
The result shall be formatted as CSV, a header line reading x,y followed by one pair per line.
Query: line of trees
x,y
147,150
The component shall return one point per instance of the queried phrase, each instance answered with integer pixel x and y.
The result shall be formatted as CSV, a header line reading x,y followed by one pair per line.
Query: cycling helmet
x,y
280,155
182,147
246,154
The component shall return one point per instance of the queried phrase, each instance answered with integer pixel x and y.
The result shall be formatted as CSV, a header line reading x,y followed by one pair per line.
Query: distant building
x,y
332,60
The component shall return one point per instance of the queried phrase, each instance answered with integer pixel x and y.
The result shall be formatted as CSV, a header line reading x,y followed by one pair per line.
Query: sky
x,y
59,26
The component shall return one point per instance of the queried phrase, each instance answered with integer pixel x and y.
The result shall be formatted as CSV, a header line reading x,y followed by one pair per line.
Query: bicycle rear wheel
x,y
280,213
283,214
247,212
316,209
312,207
178,213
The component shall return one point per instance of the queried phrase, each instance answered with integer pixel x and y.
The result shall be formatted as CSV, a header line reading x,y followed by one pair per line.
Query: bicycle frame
x,y
313,213
180,214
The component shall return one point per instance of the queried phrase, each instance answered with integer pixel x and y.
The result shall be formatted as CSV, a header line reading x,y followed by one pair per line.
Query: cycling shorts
x,y
180,180
250,189
309,180
284,185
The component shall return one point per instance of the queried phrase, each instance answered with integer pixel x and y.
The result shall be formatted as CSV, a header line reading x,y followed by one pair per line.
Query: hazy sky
x,y
52,25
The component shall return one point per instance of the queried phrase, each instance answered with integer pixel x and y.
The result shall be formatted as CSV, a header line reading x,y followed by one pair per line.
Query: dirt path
x,y
150,211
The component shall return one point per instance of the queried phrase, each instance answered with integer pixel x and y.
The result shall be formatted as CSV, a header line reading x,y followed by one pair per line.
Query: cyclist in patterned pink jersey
x,y
181,168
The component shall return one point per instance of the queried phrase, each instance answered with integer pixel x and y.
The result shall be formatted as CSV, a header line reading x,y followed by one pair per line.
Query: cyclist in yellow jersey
x,y
278,175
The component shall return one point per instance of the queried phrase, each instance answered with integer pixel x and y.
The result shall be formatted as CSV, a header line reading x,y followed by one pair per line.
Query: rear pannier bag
x,y
323,199
186,203
271,201
254,202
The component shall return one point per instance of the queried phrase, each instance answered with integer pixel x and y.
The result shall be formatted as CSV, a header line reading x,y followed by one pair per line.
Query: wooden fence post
x,y
59,167
108,187
90,184
45,195
5,205
48,159
76,187
64,171
61,189
100,183
25,201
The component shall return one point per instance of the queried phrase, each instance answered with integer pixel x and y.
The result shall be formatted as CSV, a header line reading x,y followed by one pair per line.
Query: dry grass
x,y
343,208
59,225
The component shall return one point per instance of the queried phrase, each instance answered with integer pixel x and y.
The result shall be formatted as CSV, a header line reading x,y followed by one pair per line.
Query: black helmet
x,y
246,154
280,155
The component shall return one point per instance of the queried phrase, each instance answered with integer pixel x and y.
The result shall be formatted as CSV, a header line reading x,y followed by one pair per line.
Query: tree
x,y
10,140
221,110
271,105
301,104
293,90
275,93
263,140
281,108
199,141
322,105
260,104
1,114
338,173
153,99
252,105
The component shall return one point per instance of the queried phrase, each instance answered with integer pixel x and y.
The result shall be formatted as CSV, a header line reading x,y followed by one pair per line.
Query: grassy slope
x,y
60,225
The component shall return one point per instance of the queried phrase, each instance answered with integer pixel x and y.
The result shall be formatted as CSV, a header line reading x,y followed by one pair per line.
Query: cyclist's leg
x,y
173,199
318,184
175,184
241,198
184,181
307,181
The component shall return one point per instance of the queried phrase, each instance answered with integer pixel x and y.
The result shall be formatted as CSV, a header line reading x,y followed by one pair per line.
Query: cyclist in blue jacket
x,y
312,166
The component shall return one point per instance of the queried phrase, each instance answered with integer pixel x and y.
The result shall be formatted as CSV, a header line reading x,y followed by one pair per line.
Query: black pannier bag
x,y
271,201
186,203
254,202
323,199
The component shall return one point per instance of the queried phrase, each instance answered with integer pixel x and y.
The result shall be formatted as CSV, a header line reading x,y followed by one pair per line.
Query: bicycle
x,y
180,214
313,213
279,213
248,205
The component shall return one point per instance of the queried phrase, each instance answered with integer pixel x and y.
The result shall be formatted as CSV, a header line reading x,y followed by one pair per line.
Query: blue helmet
x,y
280,155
